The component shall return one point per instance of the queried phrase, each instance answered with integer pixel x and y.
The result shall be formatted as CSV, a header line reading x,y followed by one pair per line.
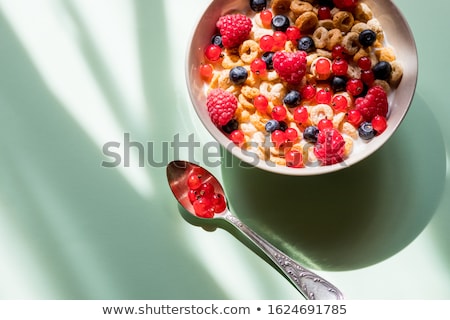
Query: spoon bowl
x,y
309,284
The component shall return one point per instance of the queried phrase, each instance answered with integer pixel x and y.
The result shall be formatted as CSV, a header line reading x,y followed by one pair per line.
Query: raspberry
x,y
221,106
375,103
234,29
330,146
291,66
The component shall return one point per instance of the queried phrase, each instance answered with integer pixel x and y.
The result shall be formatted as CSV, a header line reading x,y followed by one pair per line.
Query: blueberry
x,y
366,131
310,134
283,126
258,5
268,59
232,125
338,83
367,37
238,75
382,70
280,23
292,99
306,43
217,40
272,125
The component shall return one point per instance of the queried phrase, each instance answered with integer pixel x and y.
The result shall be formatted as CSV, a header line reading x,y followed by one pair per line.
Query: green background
x,y
77,74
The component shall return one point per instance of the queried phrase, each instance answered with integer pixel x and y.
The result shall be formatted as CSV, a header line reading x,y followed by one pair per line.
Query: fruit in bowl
x,y
302,87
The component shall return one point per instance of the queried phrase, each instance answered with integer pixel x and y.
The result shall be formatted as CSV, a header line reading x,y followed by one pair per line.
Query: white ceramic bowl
x,y
398,34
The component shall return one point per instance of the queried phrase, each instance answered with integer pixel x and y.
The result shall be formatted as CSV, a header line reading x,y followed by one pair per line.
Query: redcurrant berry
x,y
294,159
278,138
279,113
266,18
213,52
261,103
194,181
324,13
339,103
293,33
308,92
206,71
279,40
258,66
323,96
325,124
355,118
340,67
365,63
368,77
219,203
301,115
202,207
206,189
379,124
291,134
323,68
355,87
238,137
267,43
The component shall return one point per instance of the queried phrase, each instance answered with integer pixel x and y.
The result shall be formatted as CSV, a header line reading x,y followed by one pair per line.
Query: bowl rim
x,y
253,160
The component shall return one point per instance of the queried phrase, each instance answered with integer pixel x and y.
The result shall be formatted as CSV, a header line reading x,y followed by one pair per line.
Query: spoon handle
x,y
309,284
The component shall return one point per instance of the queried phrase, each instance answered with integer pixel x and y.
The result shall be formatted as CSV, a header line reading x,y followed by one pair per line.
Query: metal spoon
x,y
309,284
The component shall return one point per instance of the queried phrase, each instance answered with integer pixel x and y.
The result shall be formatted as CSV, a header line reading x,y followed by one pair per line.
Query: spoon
x,y
309,284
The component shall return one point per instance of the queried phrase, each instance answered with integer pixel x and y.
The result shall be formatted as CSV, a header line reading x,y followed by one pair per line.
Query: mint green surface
x,y
76,75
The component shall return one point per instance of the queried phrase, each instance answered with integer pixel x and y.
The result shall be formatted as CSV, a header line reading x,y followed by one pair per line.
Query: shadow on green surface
x,y
91,235
355,217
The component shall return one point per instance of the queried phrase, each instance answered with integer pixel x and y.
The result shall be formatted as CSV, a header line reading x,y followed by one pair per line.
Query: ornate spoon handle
x,y
309,284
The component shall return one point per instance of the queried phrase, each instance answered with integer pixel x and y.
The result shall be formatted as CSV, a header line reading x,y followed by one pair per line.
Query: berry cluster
x,y
204,199
337,82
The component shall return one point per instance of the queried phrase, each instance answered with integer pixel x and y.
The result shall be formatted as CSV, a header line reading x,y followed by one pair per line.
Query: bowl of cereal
x,y
302,87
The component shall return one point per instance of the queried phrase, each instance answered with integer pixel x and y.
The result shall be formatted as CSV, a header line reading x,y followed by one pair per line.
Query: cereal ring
x,y
397,73
248,129
250,92
281,6
334,38
326,23
258,122
290,46
320,37
338,120
353,72
363,52
320,112
242,115
386,54
214,83
249,51
252,79
245,103
359,27
272,76
273,92
351,43
350,130
376,27
362,12
299,7
224,81
384,84
231,61
307,22
348,146
343,20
